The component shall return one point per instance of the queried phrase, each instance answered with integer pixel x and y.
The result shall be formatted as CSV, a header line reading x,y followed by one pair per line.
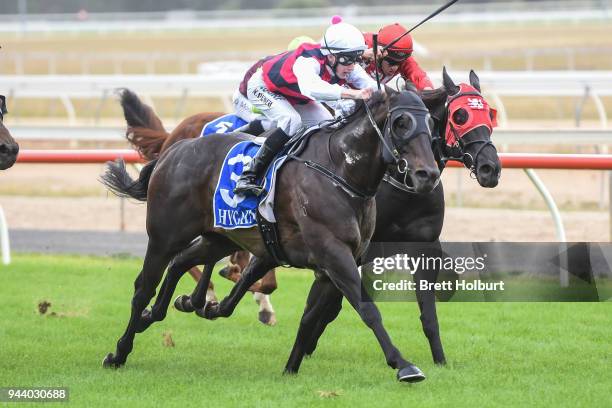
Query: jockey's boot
x,y
247,183
254,128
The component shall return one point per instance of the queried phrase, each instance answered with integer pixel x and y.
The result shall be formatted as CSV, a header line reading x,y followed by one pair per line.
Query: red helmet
x,y
389,33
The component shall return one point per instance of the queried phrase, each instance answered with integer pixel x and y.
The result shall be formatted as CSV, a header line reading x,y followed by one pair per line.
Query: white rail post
x,y
554,210
4,239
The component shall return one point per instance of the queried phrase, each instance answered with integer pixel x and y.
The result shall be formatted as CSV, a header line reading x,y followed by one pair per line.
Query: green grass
x,y
509,354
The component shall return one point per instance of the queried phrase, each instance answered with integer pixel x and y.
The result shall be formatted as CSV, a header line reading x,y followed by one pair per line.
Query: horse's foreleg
x,y
323,295
337,259
210,292
253,272
144,289
427,306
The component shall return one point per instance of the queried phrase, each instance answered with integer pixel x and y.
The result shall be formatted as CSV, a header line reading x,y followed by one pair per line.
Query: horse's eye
x,y
403,122
460,116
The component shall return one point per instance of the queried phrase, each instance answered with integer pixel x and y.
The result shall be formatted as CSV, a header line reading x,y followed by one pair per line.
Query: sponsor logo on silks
x,y
235,211
261,95
475,103
224,124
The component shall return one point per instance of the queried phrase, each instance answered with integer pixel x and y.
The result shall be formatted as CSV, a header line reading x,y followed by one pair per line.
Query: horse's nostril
x,y
425,175
4,149
485,169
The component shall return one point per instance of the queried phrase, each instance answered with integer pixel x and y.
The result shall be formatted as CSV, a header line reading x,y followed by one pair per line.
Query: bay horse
x,y
402,215
324,222
9,148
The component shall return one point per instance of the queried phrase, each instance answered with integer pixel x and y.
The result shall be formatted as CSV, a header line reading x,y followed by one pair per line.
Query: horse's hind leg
x,y
178,267
144,289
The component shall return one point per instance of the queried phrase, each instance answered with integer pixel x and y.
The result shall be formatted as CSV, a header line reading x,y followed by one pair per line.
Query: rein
x,y
402,164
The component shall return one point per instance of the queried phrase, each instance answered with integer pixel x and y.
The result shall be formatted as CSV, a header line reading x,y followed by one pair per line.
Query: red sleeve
x,y
412,72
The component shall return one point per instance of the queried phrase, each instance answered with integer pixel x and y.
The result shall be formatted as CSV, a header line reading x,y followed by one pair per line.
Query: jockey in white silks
x,y
288,90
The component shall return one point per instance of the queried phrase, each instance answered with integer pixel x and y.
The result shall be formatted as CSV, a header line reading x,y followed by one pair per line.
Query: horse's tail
x,y
145,130
117,180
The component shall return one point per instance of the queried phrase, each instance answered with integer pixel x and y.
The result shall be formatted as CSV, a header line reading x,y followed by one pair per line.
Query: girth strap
x,y
269,234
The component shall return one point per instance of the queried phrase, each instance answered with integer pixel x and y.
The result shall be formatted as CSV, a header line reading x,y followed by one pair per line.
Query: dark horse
x,y
402,215
8,147
323,225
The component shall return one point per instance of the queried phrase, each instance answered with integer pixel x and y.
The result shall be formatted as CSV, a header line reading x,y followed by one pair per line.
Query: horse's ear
x,y
3,104
451,88
474,80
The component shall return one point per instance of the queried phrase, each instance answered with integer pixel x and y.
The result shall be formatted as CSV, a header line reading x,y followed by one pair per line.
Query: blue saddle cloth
x,y
239,211
224,124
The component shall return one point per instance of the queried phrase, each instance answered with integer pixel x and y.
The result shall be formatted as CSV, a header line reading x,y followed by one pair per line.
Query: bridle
x,y
391,150
446,151
442,139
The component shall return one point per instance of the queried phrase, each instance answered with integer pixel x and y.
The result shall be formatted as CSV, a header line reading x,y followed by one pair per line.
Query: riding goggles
x,y
398,56
349,58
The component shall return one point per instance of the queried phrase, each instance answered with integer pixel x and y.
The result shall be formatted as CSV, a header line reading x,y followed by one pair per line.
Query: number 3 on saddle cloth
x,y
240,211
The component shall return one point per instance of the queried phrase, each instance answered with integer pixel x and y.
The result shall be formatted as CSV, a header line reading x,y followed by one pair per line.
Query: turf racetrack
x,y
504,354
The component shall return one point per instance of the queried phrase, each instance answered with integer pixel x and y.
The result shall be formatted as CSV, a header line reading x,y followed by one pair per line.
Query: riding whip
x,y
375,49
432,15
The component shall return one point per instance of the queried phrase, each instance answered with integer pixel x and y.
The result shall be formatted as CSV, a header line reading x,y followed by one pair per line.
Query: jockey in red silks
x,y
397,59
289,87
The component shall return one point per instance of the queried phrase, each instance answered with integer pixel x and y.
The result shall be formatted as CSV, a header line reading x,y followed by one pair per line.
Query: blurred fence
x,y
222,81
120,63
507,137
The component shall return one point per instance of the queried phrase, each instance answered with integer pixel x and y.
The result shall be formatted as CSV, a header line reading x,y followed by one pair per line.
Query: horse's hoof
x,y
110,361
224,272
289,371
183,304
267,317
410,373
210,311
440,363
